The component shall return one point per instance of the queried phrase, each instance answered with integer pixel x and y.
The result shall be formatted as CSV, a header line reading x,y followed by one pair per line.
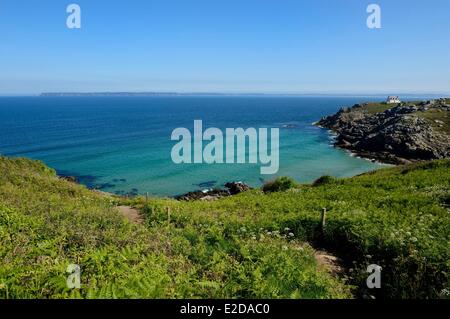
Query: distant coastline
x,y
144,94
168,93
88,94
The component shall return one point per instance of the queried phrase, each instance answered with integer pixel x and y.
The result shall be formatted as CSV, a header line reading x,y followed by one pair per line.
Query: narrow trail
x,y
132,214
330,262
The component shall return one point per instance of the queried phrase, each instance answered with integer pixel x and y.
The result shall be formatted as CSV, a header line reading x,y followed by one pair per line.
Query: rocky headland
x,y
393,133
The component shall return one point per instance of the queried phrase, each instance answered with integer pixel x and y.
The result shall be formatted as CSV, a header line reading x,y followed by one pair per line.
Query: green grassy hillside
x,y
47,223
253,245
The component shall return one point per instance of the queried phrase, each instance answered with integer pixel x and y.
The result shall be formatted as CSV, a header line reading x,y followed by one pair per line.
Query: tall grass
x,y
47,223
397,218
252,245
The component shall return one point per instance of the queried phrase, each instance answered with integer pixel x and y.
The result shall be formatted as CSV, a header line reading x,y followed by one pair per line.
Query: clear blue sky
x,y
273,46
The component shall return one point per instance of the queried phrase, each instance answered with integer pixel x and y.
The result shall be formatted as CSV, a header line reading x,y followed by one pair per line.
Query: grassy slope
x,y
236,247
47,223
397,218
374,108
433,115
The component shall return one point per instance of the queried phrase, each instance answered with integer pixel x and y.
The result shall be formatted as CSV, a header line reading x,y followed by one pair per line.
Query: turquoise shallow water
x,y
123,145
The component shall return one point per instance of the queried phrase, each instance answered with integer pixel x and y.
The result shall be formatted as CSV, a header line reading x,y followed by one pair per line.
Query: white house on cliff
x,y
393,100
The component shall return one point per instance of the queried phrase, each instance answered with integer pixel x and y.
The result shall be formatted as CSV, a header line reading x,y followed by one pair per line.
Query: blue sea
x,y
123,144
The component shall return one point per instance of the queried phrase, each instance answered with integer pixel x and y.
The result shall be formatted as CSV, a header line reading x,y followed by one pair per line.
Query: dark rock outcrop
x,y
231,188
397,135
236,187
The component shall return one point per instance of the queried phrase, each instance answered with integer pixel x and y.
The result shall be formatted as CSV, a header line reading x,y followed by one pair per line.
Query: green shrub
x,y
279,184
325,180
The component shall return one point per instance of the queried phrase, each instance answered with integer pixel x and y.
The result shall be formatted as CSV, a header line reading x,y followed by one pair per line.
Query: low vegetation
x,y
47,223
279,184
253,245
439,119
397,218
373,107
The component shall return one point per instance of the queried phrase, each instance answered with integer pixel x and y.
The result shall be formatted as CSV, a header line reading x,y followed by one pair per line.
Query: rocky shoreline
x,y
231,188
393,134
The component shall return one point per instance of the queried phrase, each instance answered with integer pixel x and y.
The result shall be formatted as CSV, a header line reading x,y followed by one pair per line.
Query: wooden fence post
x,y
323,219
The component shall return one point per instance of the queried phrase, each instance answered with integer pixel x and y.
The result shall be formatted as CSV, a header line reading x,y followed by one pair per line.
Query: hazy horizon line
x,y
218,93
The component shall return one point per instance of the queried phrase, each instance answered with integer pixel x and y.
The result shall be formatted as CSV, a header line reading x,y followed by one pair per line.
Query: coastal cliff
x,y
394,134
